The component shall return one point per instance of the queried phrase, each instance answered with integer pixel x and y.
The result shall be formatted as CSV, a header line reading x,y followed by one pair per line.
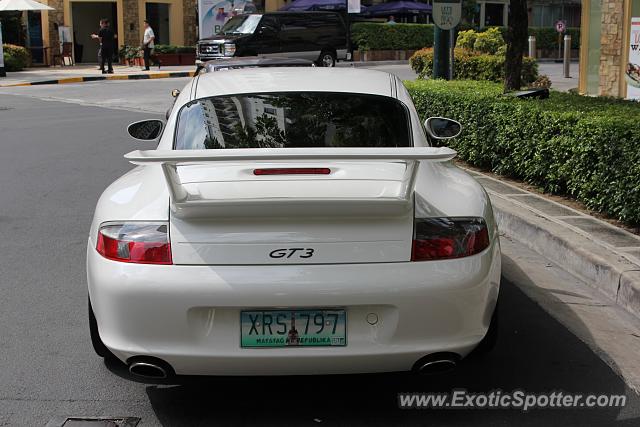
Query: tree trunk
x,y
517,33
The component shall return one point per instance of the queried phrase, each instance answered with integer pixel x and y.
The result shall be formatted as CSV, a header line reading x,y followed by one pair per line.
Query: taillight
x,y
448,238
136,242
292,171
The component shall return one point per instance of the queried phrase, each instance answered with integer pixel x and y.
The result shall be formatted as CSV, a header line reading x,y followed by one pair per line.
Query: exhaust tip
x,y
148,367
147,370
437,363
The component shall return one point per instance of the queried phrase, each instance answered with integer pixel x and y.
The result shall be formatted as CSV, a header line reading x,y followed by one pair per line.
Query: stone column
x,y
132,36
611,47
55,17
190,22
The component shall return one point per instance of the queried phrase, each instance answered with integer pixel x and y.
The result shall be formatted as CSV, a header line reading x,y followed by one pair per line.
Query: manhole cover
x,y
93,422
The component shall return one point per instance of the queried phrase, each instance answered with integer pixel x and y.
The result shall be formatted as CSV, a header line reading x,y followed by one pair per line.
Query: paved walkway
x,y
555,73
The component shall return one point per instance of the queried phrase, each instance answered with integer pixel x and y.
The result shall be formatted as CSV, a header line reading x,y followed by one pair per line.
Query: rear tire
x,y
98,346
327,59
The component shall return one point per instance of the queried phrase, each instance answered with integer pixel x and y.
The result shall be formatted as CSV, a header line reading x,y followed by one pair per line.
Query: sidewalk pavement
x,y
555,72
602,255
80,73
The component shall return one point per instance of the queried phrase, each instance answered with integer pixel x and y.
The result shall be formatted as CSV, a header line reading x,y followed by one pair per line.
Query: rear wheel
x,y
98,346
327,59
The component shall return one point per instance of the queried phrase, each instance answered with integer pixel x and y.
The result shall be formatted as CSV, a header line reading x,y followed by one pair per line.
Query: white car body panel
x,y
188,313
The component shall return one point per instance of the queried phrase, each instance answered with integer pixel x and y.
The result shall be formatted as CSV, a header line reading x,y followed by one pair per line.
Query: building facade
x,y
174,22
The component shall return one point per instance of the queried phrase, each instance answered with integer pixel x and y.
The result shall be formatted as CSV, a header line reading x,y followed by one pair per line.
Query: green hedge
x,y
16,58
169,48
473,66
568,144
374,36
378,36
546,37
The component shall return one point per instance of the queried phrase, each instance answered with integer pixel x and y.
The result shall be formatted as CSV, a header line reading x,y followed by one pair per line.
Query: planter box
x,y
176,58
168,58
187,58
382,55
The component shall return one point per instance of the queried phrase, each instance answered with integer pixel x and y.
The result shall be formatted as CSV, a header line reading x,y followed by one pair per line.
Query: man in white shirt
x,y
147,44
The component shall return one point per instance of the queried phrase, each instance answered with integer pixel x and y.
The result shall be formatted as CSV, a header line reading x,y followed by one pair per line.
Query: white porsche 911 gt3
x,y
292,221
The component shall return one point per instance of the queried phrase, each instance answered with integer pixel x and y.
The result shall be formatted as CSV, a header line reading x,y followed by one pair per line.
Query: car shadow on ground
x,y
535,353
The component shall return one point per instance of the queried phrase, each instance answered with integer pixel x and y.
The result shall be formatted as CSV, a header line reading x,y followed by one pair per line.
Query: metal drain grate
x,y
93,422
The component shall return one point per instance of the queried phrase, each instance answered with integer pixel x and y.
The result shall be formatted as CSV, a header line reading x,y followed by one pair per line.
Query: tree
x,y
516,43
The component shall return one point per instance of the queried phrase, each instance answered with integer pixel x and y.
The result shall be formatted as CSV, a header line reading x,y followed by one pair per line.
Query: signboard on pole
x,y
353,6
212,14
446,13
561,26
632,71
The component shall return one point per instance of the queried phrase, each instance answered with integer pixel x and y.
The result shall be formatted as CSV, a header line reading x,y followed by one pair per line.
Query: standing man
x,y
107,44
147,44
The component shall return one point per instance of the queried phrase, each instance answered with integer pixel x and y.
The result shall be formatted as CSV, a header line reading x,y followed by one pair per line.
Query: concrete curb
x,y
376,63
82,79
610,272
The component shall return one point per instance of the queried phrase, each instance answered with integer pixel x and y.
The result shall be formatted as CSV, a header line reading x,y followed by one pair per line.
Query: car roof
x,y
295,79
255,61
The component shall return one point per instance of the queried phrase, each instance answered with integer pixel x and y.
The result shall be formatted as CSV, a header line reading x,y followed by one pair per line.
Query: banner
x,y
632,72
212,14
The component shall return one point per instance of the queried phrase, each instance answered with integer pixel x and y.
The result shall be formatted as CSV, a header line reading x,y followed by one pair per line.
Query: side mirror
x,y
442,128
146,130
266,31
175,93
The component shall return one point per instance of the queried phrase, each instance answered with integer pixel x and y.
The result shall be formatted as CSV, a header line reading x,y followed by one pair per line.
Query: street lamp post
x,y
3,73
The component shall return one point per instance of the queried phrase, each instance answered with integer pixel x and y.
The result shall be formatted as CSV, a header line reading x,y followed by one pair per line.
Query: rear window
x,y
293,119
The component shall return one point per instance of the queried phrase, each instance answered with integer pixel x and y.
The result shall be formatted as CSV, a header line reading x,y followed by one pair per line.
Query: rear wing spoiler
x,y
169,160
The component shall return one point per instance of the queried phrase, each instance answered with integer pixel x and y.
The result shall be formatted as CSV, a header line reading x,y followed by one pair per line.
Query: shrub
x,y
489,41
466,39
129,52
568,144
374,36
472,66
16,58
169,48
543,81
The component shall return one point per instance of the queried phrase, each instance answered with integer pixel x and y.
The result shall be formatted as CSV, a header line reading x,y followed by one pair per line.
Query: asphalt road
x,y
58,156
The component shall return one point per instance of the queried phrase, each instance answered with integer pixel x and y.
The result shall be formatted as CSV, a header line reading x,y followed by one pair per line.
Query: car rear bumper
x,y
189,316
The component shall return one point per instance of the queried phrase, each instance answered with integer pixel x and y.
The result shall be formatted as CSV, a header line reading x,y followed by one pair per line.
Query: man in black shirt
x,y
107,44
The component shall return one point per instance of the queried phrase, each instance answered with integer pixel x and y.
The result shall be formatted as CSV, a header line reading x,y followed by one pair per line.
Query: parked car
x,y
316,36
293,221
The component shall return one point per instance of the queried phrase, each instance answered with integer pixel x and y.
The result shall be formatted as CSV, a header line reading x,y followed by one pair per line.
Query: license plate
x,y
293,328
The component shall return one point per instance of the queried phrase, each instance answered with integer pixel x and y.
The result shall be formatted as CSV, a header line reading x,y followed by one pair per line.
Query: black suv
x,y
316,36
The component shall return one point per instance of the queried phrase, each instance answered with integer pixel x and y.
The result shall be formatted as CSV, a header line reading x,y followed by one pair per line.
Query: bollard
x,y
532,46
567,56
